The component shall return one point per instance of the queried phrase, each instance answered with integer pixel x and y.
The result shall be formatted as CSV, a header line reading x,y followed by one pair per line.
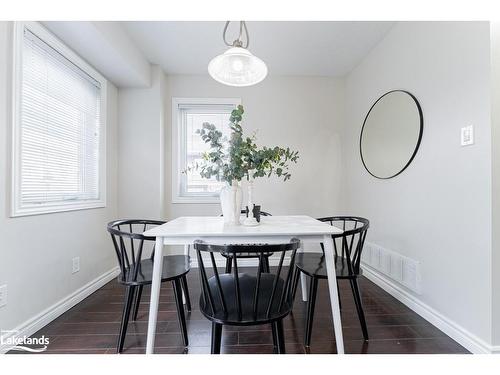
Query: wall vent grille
x,y
401,269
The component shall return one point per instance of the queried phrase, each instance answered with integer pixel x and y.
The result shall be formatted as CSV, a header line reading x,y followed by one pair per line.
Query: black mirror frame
x,y
421,131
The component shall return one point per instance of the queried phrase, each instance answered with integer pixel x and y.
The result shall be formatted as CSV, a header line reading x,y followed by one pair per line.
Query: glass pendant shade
x,y
237,67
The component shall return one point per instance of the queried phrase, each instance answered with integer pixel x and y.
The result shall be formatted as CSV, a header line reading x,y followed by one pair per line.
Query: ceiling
x,y
288,48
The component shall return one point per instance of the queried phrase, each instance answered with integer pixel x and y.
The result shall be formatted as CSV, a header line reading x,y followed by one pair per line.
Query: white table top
x,y
208,226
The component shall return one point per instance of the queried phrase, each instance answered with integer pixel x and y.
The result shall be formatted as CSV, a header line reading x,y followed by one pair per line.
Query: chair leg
x,y
228,265
180,309
129,297
295,282
137,301
359,307
186,292
279,336
216,338
275,337
313,288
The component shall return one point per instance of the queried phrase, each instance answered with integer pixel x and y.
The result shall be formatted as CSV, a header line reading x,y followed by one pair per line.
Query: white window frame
x,y
179,149
16,207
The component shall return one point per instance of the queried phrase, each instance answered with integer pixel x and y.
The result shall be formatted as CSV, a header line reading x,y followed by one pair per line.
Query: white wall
x,y
439,210
495,161
36,251
141,150
304,113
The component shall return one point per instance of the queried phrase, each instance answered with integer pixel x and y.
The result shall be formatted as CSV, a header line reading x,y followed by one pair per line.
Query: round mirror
x,y
391,134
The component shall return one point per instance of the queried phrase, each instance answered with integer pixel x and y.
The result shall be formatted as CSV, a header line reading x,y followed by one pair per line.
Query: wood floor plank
x,y
92,326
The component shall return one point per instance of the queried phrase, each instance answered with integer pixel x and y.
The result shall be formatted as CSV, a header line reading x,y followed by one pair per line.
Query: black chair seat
x,y
313,265
247,291
174,266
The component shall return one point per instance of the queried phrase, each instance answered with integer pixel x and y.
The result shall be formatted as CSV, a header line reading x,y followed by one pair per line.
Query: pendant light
x,y
237,66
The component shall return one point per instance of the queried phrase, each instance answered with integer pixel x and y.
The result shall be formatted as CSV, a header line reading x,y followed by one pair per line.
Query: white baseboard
x,y
495,349
468,340
45,317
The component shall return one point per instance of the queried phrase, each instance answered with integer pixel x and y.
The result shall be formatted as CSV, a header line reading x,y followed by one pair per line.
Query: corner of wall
x,y
495,170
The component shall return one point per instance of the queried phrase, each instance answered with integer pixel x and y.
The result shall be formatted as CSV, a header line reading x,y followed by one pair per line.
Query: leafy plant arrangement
x,y
238,157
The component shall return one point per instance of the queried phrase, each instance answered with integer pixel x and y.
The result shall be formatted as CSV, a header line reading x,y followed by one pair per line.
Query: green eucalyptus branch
x,y
241,158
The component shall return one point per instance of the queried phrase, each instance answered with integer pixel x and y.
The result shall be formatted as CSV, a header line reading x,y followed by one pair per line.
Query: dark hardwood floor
x,y
92,326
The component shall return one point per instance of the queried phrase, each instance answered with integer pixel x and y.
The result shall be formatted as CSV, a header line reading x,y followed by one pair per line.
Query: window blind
x,y
192,119
60,123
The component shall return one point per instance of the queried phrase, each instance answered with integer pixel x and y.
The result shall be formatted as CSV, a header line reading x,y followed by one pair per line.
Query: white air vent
x,y
404,270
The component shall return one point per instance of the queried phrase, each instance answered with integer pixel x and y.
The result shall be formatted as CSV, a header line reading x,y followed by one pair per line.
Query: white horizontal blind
x,y
60,125
192,118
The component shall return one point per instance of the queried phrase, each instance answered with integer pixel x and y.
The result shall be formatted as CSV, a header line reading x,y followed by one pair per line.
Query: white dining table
x,y
272,230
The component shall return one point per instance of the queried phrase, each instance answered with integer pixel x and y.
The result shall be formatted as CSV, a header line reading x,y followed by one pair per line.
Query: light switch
x,y
76,265
467,135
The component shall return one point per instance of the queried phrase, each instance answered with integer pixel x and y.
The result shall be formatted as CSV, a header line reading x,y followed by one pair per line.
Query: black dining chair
x,y
348,247
250,255
129,243
246,298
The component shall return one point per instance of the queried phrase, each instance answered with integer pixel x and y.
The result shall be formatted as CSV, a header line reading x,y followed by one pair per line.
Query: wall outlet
x,y
467,135
3,295
76,265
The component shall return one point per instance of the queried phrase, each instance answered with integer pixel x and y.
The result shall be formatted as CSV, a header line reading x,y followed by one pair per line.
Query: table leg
x,y
303,286
155,295
334,297
186,252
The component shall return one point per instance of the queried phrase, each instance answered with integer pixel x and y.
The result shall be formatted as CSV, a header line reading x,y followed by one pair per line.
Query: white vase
x,y
230,201
250,220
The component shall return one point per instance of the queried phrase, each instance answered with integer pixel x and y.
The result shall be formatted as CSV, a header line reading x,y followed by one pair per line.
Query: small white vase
x,y
230,201
250,220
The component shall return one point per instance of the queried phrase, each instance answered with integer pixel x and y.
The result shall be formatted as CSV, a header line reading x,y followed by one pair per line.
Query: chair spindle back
x,y
349,244
241,295
129,243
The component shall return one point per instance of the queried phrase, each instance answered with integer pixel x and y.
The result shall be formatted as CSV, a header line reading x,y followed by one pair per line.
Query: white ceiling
x,y
288,48
108,48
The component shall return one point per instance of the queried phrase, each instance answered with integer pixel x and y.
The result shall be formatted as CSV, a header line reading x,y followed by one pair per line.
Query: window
x,y
188,115
58,148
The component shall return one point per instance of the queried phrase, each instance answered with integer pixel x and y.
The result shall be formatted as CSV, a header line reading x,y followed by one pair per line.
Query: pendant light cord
x,y
238,42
